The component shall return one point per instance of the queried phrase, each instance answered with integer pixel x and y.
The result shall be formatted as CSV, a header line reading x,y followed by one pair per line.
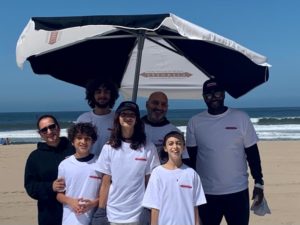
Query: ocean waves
x,y
269,123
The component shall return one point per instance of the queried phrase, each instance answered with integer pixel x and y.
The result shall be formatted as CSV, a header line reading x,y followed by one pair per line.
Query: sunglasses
x,y
51,127
217,94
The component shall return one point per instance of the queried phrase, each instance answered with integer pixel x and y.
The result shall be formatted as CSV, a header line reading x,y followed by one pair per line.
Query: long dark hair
x,y
138,138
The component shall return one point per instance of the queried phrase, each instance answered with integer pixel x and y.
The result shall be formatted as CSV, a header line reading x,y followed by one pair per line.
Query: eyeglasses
x,y
51,127
130,115
217,94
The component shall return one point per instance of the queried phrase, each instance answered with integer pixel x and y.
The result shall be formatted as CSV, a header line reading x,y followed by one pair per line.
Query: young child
x,y
82,182
174,190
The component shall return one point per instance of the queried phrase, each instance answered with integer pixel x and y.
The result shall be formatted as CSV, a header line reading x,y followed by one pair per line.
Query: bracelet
x,y
259,186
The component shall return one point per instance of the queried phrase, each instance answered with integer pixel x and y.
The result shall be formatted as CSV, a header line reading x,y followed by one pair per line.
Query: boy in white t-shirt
x,y
174,190
82,182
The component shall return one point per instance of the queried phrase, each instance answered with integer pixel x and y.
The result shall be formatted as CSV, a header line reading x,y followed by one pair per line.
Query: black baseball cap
x,y
211,85
128,105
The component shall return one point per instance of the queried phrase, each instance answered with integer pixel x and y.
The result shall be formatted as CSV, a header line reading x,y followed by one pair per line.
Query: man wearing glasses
x,y
221,140
41,170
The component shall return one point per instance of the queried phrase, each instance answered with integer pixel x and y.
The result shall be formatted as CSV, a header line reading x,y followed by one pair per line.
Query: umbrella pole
x,y
141,40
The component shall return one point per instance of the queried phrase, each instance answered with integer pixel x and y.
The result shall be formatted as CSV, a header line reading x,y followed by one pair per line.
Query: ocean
x,y
269,123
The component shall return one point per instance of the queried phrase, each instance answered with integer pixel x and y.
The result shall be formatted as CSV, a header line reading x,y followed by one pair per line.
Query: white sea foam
x,y
264,132
272,132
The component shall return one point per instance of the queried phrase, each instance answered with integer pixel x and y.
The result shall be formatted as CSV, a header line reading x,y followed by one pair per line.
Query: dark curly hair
x,y
138,138
93,85
87,129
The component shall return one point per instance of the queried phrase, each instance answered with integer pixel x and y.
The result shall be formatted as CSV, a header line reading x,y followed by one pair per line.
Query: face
x,y
82,144
174,147
102,97
214,99
157,107
127,118
49,131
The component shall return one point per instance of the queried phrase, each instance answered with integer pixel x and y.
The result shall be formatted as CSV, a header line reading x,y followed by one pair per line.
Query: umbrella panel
x,y
78,63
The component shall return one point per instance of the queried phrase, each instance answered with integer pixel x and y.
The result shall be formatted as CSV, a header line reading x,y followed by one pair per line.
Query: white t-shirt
x,y
174,193
81,180
127,168
221,158
156,134
104,124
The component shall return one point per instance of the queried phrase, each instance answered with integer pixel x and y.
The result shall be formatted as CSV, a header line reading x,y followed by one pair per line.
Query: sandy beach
x,y
281,167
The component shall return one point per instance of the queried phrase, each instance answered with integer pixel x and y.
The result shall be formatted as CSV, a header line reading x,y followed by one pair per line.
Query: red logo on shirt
x,y
185,186
141,159
95,177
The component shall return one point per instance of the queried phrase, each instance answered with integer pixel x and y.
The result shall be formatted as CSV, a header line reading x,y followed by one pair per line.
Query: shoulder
x,y
66,161
149,144
198,117
238,113
85,116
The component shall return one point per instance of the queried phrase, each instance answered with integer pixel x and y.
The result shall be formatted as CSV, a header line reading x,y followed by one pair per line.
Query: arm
x,y
100,216
72,202
197,219
104,189
193,156
35,187
254,163
154,216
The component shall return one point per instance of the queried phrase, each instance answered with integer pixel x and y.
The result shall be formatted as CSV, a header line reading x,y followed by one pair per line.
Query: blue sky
x,y
270,28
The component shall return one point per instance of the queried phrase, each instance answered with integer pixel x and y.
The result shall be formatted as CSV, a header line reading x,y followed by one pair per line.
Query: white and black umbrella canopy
x,y
151,52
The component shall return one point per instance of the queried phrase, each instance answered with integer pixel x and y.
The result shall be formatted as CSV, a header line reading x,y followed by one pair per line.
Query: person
x,y
101,95
126,162
222,140
40,178
156,123
174,185
4,141
82,182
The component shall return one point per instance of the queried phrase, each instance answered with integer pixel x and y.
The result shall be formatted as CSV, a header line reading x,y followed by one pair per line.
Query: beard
x,y
102,105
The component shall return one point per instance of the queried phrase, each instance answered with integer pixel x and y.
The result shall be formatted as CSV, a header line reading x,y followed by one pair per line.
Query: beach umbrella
x,y
141,53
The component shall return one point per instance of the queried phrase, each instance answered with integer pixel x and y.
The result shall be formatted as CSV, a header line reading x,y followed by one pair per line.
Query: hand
x,y
100,217
258,195
59,185
87,204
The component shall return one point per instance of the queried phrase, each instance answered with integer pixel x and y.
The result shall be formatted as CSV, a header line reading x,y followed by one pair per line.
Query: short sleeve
x,y
152,156
151,197
190,136
199,196
103,164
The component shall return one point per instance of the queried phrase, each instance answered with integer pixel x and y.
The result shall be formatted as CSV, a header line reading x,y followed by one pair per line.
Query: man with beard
x,y
156,123
101,96
222,140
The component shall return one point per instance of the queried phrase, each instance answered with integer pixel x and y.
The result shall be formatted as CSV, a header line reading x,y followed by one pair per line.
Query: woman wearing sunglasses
x,y
126,162
41,170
